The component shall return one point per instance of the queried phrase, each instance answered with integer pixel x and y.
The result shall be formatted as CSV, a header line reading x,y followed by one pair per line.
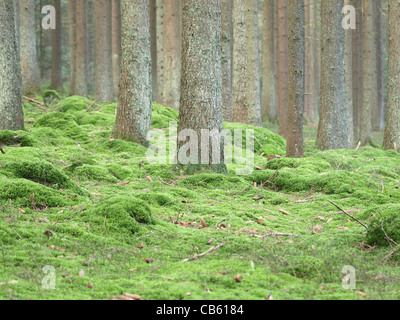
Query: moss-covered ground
x,y
91,207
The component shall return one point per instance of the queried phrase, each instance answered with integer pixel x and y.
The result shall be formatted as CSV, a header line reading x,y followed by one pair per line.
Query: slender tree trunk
x,y
357,69
369,73
283,67
56,61
226,59
332,129
135,98
28,51
296,45
348,39
153,35
392,125
81,50
253,65
378,114
201,96
276,55
103,60
269,110
72,44
116,44
11,115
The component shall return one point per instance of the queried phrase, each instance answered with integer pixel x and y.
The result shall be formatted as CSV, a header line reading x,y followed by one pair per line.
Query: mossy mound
x,y
384,226
64,123
19,138
20,192
124,212
88,172
162,116
157,198
27,163
73,103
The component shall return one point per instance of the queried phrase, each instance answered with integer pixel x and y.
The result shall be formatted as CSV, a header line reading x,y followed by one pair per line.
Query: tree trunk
x,y
348,39
201,95
28,51
296,47
116,44
56,61
369,73
153,35
378,114
268,109
283,67
103,60
392,126
226,60
332,129
135,99
169,53
81,50
72,44
11,115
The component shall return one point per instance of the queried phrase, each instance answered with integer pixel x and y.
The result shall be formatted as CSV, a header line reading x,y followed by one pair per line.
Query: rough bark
x,y
28,51
11,115
81,70
268,109
392,125
296,47
135,98
226,59
201,95
103,61
378,114
153,35
283,67
332,128
56,60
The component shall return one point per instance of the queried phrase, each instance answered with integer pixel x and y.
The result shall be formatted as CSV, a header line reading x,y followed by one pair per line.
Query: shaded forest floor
x,y
96,211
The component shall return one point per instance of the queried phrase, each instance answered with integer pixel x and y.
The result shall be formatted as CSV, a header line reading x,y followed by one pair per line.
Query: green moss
x,y
162,116
88,172
384,225
124,212
20,138
157,198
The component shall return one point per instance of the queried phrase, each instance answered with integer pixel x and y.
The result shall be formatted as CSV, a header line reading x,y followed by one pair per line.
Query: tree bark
x,y
116,44
296,45
268,109
81,71
392,126
135,98
348,39
103,60
332,128
28,51
369,73
72,45
153,35
226,60
56,61
283,67
11,114
201,95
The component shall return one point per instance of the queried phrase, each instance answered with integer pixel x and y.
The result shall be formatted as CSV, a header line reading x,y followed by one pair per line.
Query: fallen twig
x,y
91,106
348,214
217,224
197,256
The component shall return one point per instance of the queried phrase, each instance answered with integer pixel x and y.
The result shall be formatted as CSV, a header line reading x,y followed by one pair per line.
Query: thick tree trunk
x,y
226,59
28,51
201,94
369,73
103,60
283,67
392,126
348,39
153,35
11,115
378,114
296,45
135,98
56,61
332,129
268,109
116,44
81,50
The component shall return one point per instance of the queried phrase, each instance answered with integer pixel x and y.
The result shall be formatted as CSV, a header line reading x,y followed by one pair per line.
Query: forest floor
x,y
89,210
